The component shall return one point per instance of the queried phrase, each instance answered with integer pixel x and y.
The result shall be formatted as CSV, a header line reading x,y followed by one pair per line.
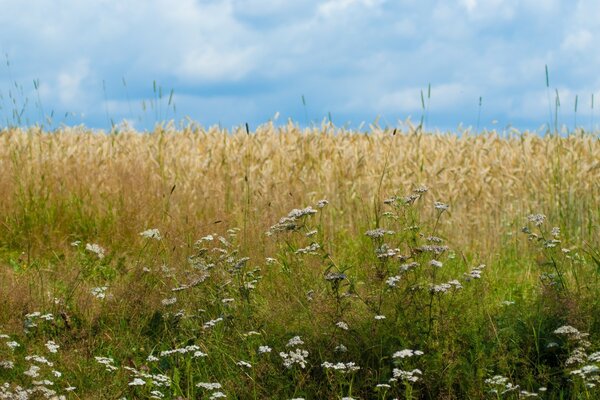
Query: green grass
x,y
355,296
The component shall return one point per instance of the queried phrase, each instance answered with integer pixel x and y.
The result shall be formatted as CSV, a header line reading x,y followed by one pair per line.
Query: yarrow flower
x,y
537,219
209,385
436,263
441,206
342,325
297,356
99,292
341,367
151,234
407,353
295,341
96,249
264,349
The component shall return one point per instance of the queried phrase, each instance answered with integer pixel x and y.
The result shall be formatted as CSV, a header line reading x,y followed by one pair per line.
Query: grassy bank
x,y
316,264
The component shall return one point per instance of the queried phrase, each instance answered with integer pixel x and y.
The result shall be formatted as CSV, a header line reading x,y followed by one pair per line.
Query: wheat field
x,y
407,264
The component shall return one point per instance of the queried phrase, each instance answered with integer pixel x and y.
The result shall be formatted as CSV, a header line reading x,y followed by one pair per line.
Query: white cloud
x,y
577,41
69,84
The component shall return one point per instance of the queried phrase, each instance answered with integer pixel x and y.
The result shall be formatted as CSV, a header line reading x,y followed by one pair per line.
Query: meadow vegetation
x,y
285,263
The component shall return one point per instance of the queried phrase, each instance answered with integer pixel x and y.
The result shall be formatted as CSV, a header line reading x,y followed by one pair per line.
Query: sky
x,y
233,62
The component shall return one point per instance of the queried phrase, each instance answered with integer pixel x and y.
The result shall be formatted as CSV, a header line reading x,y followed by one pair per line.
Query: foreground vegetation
x,y
316,264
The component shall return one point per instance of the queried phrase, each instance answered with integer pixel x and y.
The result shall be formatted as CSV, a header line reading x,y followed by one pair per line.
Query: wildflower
x,y
378,233
7,364
566,330
243,364
342,325
475,272
297,356
99,292
270,260
508,303
311,233
217,395
421,189
209,386
137,382
152,358
392,281
341,367
312,249
76,243
436,263
155,394
526,394
13,345
168,302
212,323
107,362
407,353
96,249
295,341
408,266
47,317
198,354
51,346
56,373
151,234
251,333
39,359
379,317
33,371
441,206
382,386
70,388
537,219
227,300
264,349
322,203
594,357
335,277
410,376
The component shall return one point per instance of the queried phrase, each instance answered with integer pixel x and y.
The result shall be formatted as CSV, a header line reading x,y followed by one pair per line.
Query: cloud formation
x,y
237,61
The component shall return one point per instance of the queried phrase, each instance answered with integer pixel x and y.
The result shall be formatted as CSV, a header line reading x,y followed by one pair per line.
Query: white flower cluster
x,y
292,357
151,234
445,287
407,353
290,223
96,249
341,367
410,376
475,273
311,249
536,219
378,233
183,350
99,292
211,323
108,363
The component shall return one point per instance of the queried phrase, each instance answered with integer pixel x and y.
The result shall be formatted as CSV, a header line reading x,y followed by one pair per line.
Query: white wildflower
x,y
436,263
264,349
209,385
392,281
242,363
137,382
168,302
151,234
99,292
33,371
295,341
407,353
342,325
297,356
52,346
13,345
96,249
441,206
217,395
379,317
537,219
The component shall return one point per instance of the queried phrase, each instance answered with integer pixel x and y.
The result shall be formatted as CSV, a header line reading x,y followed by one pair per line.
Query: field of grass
x,y
287,263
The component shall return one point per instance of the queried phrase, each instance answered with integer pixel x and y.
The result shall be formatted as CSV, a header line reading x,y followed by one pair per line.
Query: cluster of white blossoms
x,y
341,367
151,234
296,356
293,220
407,353
96,249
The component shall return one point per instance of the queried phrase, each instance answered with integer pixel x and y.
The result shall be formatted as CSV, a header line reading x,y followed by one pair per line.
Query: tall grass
x,y
440,265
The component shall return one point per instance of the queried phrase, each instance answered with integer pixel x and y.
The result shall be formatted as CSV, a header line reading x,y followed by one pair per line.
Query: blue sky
x,y
237,61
